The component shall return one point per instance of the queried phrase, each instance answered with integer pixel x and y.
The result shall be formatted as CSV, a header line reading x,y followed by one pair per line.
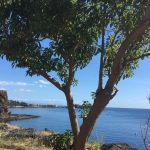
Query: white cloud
x,y
42,86
12,83
1,88
44,82
23,91
21,83
41,83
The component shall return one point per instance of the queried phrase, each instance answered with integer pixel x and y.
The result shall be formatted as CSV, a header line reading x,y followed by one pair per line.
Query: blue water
x,y
114,125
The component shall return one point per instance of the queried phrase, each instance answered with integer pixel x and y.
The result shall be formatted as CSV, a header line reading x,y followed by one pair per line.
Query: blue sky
x,y
132,92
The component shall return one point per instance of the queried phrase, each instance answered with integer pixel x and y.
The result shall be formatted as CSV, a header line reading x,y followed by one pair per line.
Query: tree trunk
x,y
100,103
72,114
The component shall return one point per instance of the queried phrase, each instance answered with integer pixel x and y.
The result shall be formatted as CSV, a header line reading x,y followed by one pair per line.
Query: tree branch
x,y
71,69
113,40
136,58
44,74
114,94
130,39
52,80
71,75
100,84
6,51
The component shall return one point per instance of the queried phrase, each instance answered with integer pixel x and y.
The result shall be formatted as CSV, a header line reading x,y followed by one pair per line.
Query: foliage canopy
x,y
73,28
25,25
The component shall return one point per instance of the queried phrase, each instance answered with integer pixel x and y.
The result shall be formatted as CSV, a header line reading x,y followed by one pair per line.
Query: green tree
x,y
73,28
24,25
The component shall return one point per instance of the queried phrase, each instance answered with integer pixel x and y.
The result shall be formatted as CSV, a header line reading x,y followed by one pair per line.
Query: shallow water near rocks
x,y
115,125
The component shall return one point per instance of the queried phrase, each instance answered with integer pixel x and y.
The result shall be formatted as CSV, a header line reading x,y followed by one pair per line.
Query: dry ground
x,y
11,143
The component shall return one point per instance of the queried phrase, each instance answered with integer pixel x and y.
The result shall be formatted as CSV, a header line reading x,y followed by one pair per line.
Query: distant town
x,y
20,104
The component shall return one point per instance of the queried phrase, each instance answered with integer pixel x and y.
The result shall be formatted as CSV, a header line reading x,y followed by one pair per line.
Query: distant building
x,y
3,104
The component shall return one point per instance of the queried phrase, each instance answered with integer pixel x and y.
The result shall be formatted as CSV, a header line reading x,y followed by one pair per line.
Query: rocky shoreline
x,y
17,138
13,137
30,133
14,117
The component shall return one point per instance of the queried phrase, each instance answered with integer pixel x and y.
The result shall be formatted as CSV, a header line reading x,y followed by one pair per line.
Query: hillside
x,y
14,103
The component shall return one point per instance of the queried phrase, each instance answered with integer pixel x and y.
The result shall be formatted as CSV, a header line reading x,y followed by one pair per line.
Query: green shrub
x,y
59,141
95,145
85,109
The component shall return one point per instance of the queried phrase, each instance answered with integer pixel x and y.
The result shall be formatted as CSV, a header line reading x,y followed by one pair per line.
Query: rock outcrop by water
x,y
5,115
3,104
119,146
14,117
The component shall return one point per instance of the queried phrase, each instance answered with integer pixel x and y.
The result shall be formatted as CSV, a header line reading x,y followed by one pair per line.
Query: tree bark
x,y
102,99
100,84
72,114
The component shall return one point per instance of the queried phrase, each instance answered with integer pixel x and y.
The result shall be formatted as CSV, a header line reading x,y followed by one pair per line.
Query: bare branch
x,y
144,133
52,80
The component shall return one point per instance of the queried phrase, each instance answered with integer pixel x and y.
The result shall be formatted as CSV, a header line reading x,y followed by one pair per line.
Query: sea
x,y
115,125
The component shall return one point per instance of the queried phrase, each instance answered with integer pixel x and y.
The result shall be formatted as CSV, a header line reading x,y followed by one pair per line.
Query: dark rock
x,y
3,127
119,146
3,104
23,133
15,117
